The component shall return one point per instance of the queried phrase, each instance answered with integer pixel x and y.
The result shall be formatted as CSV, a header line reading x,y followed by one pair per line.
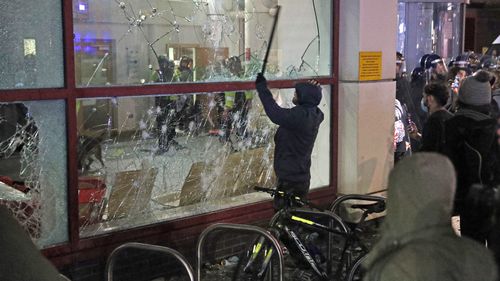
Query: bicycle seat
x,y
377,207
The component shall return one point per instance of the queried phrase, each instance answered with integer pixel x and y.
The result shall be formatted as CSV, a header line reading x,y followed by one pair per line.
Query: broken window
x,y
154,158
31,49
165,41
33,181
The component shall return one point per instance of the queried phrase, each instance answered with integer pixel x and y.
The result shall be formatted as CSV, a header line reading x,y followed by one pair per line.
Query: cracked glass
x,y
148,159
31,49
33,180
172,41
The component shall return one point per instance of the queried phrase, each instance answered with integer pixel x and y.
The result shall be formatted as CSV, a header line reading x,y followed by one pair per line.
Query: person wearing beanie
x,y
475,92
295,137
470,145
495,93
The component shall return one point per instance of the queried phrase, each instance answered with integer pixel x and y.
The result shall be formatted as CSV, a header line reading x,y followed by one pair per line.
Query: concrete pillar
x,y
366,108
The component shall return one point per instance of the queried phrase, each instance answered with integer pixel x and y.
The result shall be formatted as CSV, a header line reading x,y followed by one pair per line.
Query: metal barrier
x,y
133,245
239,227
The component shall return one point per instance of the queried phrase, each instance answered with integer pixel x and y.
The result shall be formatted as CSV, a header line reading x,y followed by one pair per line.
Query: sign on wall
x,y
370,66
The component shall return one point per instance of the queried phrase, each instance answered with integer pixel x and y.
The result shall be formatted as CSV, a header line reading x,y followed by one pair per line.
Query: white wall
x,y
366,109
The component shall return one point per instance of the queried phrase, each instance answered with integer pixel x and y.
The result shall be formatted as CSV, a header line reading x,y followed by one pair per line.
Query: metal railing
x,y
238,227
148,247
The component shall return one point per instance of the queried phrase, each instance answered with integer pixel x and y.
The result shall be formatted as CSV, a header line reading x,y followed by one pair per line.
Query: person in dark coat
x,y
20,259
470,145
417,241
295,137
405,111
417,85
402,146
433,134
495,93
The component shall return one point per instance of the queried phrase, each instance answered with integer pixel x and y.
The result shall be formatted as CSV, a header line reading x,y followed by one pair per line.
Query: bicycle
x,y
355,248
285,225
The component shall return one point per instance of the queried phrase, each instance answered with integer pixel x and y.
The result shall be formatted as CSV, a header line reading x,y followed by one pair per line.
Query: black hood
x,y
308,94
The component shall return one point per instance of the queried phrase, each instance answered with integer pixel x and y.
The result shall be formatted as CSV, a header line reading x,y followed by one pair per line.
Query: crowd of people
x,y
449,120
229,115
449,115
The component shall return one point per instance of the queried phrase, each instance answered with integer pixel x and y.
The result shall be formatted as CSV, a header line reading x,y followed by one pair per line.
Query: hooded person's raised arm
x,y
278,115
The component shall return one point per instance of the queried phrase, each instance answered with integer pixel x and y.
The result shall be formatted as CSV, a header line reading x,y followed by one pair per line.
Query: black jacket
x,y
470,145
433,133
298,128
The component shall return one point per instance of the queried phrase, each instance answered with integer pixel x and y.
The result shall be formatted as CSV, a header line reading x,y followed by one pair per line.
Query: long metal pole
x,y
271,39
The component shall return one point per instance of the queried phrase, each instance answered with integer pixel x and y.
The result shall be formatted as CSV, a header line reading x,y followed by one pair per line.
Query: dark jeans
x,y
299,189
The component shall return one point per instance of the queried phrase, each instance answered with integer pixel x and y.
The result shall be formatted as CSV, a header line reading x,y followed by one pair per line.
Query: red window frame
x,y
76,248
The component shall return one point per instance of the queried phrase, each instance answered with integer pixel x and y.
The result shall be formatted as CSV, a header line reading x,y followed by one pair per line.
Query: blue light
x,y
82,7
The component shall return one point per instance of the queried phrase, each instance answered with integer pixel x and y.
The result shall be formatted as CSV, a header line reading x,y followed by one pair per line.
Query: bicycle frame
x,y
279,223
257,247
353,238
276,226
321,273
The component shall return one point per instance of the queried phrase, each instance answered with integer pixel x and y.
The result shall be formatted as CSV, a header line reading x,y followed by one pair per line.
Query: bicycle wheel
x,y
253,262
355,273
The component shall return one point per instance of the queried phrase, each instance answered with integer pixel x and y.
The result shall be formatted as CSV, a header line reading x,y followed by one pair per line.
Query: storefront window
x,y
140,42
31,50
33,182
425,28
155,158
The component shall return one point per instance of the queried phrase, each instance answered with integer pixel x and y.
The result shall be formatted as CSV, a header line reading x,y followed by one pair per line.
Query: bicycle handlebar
x,y
274,192
299,201
265,189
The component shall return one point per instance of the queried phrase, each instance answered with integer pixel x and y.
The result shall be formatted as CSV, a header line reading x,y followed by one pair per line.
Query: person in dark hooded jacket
x,y
470,145
20,259
417,241
295,137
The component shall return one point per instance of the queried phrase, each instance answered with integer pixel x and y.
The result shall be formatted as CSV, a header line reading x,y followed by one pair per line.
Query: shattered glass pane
x,y
33,168
155,158
31,49
168,41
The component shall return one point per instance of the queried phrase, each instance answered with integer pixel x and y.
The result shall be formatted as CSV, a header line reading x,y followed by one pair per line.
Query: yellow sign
x,y
370,66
